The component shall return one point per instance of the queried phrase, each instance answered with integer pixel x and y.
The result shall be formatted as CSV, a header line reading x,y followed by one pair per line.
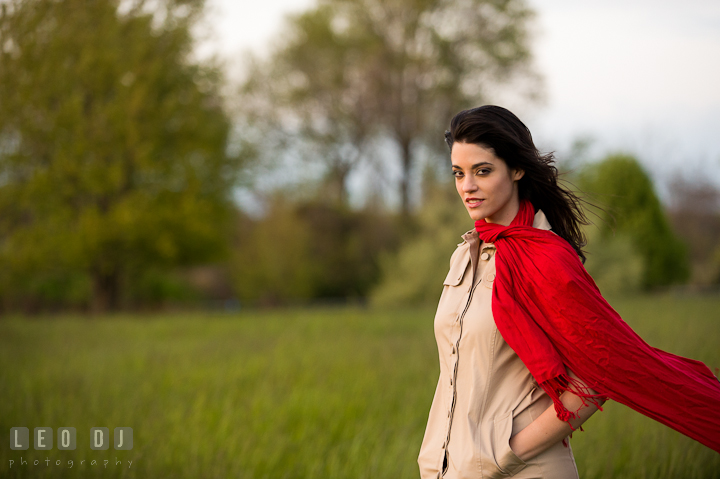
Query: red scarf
x,y
551,313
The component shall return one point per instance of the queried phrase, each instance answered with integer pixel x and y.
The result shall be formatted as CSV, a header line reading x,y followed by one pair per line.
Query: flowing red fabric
x,y
551,313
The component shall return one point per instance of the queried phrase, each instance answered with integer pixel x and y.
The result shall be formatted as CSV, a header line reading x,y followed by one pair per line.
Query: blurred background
x,y
177,154
189,188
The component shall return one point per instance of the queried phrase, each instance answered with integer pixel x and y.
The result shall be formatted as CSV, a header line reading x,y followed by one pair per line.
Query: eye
x,y
483,171
457,173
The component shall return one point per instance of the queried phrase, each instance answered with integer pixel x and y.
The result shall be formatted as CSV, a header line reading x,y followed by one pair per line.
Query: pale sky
x,y
637,75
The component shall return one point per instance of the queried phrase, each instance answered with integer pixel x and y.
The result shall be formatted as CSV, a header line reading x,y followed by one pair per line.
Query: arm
x,y
547,429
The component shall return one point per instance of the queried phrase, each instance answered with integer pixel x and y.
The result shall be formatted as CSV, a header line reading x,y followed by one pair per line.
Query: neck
x,y
506,215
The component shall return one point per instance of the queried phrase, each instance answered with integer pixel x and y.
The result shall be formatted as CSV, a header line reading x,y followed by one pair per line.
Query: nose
x,y
468,185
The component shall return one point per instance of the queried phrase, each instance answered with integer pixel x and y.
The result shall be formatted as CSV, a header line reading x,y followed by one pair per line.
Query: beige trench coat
x,y
485,394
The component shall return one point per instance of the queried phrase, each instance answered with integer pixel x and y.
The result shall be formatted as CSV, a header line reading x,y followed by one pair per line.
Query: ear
x,y
517,174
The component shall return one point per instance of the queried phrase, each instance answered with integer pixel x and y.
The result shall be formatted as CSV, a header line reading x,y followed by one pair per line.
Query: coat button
x,y
484,256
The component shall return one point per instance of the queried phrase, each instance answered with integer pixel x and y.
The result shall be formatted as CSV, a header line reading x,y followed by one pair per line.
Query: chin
x,y
476,215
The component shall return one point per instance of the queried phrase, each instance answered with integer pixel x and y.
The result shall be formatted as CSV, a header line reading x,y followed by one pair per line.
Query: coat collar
x,y
539,221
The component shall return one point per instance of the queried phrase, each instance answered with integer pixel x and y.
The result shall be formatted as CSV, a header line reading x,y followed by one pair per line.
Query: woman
x,y
528,347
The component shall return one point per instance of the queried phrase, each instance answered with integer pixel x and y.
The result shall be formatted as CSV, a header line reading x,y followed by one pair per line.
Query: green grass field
x,y
318,393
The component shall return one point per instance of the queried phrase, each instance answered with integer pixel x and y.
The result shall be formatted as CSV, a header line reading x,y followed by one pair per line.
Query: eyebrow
x,y
475,165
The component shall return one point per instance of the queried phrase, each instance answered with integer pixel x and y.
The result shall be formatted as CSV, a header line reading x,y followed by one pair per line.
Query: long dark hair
x,y
497,128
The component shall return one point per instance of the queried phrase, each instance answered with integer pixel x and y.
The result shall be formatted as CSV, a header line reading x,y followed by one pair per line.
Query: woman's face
x,y
488,188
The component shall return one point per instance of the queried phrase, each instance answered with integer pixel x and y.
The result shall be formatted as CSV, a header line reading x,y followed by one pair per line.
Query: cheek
x,y
458,188
500,185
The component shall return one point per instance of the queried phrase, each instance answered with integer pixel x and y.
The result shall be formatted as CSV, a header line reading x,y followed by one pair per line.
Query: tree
x,y
309,250
695,215
310,99
614,262
632,210
350,71
113,146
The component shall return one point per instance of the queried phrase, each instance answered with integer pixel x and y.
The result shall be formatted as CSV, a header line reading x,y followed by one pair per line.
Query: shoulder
x,y
461,251
540,221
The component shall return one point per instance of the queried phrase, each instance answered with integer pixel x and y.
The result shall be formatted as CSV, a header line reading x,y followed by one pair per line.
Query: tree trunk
x,y
336,184
405,179
106,288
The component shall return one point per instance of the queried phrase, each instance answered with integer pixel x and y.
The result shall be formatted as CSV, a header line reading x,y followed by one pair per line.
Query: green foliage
x,y
336,393
414,275
309,250
271,261
156,286
112,149
632,211
695,215
613,262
